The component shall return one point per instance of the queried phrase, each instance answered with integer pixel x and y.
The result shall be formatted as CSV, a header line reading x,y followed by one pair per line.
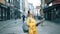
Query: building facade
x,y
30,6
17,8
3,10
8,8
38,10
25,7
51,12
57,4
21,3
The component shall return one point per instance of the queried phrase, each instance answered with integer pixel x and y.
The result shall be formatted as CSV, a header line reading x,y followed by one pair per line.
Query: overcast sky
x,y
35,2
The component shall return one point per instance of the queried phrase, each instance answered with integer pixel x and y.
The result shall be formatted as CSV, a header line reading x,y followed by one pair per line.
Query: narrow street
x,y
14,12
15,27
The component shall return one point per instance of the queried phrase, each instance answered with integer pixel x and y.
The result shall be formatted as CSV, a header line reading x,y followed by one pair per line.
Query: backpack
x,y
25,27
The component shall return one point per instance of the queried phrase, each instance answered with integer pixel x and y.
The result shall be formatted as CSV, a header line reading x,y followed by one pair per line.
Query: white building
x,y
25,7
30,6
38,10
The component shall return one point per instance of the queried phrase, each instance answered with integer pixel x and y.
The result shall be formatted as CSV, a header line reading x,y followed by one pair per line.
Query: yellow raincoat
x,y
31,25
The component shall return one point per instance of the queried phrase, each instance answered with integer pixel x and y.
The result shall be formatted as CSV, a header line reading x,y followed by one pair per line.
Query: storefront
x,y
3,12
50,12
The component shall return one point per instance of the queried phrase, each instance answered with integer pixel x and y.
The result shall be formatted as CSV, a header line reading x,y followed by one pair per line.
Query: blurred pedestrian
x,y
23,18
31,23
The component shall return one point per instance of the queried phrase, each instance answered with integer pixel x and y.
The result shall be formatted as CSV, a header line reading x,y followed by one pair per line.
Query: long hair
x,y
29,13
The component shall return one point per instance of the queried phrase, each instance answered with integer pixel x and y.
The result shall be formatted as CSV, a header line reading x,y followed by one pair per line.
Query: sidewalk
x,y
14,27
5,23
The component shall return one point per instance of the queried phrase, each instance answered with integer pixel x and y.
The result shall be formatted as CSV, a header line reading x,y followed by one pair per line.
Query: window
x,y
20,6
0,12
9,1
50,4
20,1
17,0
12,1
6,0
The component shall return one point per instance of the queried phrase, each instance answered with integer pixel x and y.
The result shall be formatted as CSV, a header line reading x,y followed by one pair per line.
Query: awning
x,y
2,5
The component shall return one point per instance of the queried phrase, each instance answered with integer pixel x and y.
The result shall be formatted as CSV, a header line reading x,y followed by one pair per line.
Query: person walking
x,y
31,23
23,18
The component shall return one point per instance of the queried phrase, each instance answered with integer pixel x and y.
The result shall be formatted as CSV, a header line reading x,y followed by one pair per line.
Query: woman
x,y
31,23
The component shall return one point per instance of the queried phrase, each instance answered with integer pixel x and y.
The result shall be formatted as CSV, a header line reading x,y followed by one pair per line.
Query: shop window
x,y
6,0
0,13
